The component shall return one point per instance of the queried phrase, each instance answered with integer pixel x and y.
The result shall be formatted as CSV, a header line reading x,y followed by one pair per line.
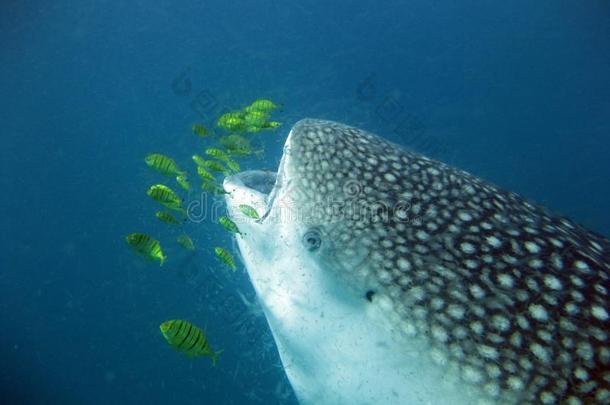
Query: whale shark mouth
x,y
255,188
263,183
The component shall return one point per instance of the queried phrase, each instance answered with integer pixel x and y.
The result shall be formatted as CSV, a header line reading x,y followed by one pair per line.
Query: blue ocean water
x,y
516,92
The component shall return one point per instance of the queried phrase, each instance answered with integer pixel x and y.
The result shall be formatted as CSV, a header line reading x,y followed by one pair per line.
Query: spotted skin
x,y
514,297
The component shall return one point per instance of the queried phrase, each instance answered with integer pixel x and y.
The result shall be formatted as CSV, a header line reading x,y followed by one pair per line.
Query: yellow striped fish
x,y
204,174
249,211
228,224
214,166
233,165
186,242
217,153
146,246
163,164
253,129
262,105
271,124
166,197
225,257
198,160
237,145
232,121
223,157
188,338
167,218
256,118
183,181
212,187
201,130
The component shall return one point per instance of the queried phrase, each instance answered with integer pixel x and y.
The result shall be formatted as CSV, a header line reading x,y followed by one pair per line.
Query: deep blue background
x,y
515,92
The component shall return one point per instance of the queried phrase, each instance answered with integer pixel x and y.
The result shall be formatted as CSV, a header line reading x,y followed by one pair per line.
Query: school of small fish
x,y
232,142
253,118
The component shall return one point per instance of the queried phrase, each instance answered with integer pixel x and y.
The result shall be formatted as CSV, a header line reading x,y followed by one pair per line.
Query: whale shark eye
x,y
312,240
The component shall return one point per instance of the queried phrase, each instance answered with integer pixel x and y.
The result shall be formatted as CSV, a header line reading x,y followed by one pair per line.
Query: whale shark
x,y
387,277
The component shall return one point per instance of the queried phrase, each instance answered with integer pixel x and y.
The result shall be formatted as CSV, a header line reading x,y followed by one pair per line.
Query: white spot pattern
x,y
505,291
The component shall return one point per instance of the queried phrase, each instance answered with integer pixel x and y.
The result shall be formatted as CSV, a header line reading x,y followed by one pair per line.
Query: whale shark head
x,y
387,277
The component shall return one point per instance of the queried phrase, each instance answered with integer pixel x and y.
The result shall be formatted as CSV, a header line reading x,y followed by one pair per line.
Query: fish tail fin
x,y
163,258
214,356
